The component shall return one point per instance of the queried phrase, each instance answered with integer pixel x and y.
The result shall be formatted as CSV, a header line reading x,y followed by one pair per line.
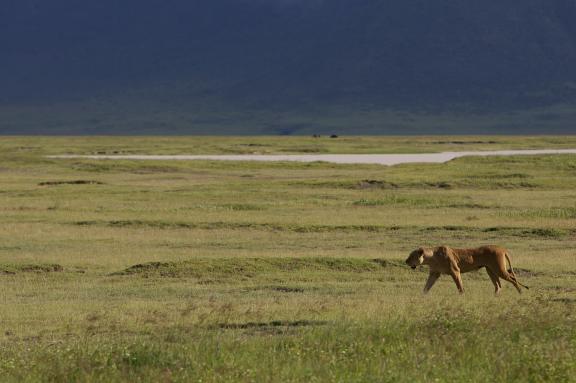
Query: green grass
x,y
265,272
25,146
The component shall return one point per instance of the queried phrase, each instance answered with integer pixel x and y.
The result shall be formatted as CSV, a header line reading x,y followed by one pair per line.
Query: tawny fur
x,y
454,262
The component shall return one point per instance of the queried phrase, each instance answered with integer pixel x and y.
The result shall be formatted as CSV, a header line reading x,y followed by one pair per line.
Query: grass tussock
x,y
556,212
30,268
71,182
126,167
544,233
461,183
419,202
242,207
376,184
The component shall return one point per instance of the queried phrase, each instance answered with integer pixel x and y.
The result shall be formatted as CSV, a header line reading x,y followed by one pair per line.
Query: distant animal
x,y
454,262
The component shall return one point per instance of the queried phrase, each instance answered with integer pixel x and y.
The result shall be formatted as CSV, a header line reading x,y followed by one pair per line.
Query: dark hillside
x,y
257,66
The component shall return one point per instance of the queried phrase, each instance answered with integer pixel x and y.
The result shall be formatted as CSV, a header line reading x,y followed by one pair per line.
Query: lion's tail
x,y
512,273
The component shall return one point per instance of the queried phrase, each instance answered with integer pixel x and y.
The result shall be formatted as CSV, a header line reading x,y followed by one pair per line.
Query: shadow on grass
x,y
71,182
521,232
271,324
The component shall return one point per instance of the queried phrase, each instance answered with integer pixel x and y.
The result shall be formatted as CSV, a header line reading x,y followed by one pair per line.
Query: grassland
x,y
266,272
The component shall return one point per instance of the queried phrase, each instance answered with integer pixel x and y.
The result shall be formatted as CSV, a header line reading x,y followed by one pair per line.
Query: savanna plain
x,y
206,271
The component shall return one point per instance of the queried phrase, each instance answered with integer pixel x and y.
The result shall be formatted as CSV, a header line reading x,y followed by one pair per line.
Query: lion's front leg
x,y
455,273
432,278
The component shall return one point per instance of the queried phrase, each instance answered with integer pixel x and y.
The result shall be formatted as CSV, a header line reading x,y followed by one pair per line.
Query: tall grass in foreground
x,y
444,347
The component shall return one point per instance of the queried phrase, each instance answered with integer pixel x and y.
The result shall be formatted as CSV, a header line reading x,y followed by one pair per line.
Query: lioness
x,y
446,260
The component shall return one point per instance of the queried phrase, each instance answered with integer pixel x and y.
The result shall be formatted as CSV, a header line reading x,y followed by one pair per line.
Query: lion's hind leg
x,y
509,275
513,275
495,280
510,278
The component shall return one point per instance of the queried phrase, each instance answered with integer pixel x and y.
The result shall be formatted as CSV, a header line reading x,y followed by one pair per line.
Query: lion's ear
x,y
426,251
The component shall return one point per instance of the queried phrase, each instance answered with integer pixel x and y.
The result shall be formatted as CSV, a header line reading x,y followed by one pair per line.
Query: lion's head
x,y
416,258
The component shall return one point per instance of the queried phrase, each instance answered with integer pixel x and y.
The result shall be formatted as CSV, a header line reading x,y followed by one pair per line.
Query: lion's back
x,y
480,256
492,249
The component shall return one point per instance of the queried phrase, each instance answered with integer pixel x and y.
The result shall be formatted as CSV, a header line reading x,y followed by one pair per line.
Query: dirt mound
x,y
250,267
